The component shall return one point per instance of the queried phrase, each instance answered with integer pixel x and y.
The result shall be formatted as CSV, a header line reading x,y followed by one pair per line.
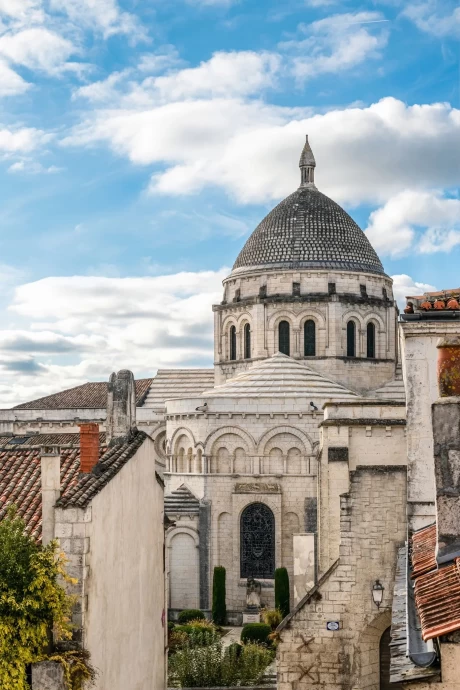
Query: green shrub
x,y
190,615
272,617
219,609
212,666
198,636
256,632
282,591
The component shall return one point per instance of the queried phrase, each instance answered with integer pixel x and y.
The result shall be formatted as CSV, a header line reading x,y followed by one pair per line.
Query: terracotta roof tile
x,y
93,394
20,473
423,551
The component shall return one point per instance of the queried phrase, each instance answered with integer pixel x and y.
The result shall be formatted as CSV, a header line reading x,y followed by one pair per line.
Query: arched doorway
x,y
385,659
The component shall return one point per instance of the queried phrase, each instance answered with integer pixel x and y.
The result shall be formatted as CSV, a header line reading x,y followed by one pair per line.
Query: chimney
x,y
89,446
51,487
121,406
446,436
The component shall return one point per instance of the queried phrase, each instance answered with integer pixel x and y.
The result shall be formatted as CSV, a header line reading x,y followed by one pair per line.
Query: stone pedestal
x,y
48,675
250,616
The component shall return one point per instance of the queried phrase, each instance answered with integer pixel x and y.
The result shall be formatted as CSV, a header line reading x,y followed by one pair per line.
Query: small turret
x,y
307,165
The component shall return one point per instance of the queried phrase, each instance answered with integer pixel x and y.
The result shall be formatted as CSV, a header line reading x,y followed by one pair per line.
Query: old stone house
x,y
101,496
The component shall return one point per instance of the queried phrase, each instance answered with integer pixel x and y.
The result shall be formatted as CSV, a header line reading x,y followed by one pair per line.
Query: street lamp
x,y
377,593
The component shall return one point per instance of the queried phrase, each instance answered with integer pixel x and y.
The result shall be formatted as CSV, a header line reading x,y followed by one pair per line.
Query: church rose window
x,y
284,345
257,542
247,341
370,340
233,342
309,338
351,339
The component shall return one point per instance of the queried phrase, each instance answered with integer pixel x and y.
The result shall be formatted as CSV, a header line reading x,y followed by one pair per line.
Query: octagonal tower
x,y
309,284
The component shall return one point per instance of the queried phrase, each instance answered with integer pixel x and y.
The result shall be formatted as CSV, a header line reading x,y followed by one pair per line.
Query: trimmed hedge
x,y
256,632
219,608
282,591
190,615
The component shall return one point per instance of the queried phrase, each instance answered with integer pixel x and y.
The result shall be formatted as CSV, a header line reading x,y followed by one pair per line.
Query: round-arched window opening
x,y
247,341
257,542
232,342
371,340
309,337
351,339
284,338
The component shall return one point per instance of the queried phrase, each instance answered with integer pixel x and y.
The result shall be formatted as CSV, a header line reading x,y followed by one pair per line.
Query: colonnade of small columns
x,y
198,463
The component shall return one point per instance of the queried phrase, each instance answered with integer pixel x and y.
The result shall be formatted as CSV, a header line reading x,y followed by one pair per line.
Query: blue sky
x,y
140,144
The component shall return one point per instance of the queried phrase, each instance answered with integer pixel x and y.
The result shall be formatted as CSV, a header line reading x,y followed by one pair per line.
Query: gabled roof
x,y
281,376
92,395
178,383
20,473
182,501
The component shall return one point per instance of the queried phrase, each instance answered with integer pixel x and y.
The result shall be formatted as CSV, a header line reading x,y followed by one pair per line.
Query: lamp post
x,y
377,593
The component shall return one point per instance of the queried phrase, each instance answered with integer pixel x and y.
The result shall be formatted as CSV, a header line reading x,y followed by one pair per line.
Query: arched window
x,y
284,344
247,341
257,542
351,339
309,338
370,340
233,342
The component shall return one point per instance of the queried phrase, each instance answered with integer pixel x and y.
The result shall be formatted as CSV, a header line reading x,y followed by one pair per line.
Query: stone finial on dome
x,y
307,165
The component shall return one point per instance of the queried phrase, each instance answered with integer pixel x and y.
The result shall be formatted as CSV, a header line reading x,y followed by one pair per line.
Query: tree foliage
x,y
219,608
32,602
282,591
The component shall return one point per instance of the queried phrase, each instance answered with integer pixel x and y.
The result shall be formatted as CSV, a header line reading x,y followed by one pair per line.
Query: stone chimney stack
x,y
121,406
446,435
51,489
89,446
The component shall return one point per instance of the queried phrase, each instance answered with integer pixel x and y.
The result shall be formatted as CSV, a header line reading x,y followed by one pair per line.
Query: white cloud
x,y
36,48
11,83
251,149
22,11
22,140
428,18
103,15
100,324
415,221
404,286
31,167
337,43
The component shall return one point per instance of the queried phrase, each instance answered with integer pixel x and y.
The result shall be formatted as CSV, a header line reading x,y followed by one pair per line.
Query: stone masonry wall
x,y
372,526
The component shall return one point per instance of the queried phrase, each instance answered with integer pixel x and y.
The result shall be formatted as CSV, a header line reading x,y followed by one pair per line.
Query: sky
x,y
142,142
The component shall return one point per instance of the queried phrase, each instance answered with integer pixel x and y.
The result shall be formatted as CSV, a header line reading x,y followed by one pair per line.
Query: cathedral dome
x,y
308,230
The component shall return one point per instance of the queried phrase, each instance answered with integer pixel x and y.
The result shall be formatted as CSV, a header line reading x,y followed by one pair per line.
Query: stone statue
x,y
253,590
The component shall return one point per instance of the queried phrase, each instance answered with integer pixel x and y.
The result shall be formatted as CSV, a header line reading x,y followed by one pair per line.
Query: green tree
x,y
219,608
32,602
282,591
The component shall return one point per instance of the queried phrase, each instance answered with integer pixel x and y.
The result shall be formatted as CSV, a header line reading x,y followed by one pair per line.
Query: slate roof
x,y
182,501
93,394
437,589
281,376
178,383
308,230
20,473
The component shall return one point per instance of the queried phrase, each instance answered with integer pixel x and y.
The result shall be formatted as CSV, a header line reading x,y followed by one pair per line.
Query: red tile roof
x,y
20,473
437,590
423,551
93,395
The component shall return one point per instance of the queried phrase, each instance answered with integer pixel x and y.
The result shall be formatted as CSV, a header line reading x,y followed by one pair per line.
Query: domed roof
x,y
308,230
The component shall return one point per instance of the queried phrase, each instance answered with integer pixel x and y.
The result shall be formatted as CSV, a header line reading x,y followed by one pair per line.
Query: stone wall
x,y
372,526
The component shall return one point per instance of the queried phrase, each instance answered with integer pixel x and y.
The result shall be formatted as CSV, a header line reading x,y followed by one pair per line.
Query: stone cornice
x,y
314,297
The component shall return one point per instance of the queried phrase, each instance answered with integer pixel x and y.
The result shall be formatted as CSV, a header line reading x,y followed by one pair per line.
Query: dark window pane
x,y
247,341
370,340
284,344
233,342
351,339
257,532
310,338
